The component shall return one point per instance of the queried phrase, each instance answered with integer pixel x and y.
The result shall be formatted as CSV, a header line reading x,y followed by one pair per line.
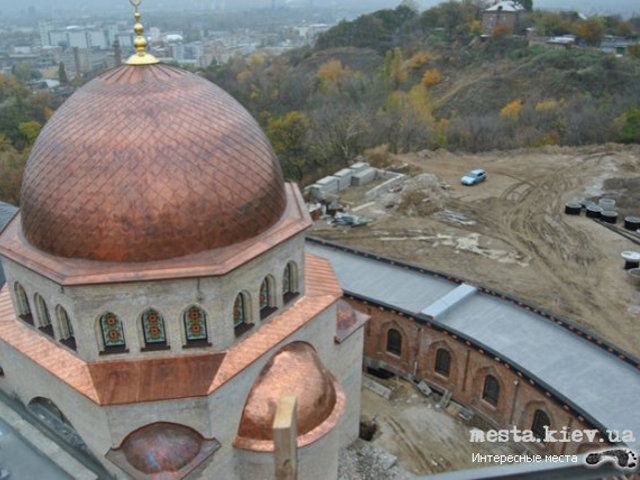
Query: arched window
x,y
24,310
491,390
44,319
290,282
394,342
64,326
112,333
195,326
153,330
443,362
241,316
267,304
540,421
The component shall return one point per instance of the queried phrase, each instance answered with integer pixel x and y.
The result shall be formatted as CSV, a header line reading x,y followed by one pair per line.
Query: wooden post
x,y
285,438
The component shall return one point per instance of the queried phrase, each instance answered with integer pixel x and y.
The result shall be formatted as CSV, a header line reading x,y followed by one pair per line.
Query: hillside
x,y
412,81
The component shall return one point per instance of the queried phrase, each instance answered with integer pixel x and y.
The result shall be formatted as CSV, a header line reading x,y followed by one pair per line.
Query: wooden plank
x,y
285,438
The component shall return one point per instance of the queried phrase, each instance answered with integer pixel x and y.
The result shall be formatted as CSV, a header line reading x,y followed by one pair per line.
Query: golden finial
x,y
141,57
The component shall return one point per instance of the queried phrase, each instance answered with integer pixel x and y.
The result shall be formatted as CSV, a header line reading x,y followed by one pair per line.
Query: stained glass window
x,y
239,311
112,331
153,327
195,324
264,294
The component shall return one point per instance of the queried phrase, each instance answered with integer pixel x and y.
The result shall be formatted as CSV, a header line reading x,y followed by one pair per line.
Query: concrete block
x,y
375,387
363,177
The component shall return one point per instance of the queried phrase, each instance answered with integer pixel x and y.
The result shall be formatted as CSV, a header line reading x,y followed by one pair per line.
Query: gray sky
x,y
625,7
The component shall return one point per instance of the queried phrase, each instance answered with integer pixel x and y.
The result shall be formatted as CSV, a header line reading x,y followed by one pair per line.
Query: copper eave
x,y
77,272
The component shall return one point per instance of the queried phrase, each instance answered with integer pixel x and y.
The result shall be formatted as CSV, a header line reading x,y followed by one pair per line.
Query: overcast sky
x,y
626,7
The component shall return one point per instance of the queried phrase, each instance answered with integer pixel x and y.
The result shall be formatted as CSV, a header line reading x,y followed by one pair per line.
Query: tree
x,y
475,28
332,74
288,136
591,31
527,4
30,131
432,77
62,74
394,74
512,109
12,166
631,129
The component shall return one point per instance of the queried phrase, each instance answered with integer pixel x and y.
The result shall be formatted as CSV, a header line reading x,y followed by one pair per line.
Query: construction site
x,y
511,232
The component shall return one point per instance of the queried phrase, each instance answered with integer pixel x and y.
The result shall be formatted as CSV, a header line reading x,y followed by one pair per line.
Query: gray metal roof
x,y
591,378
6,213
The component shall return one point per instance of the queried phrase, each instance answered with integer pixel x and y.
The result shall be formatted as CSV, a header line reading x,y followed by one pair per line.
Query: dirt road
x,y
511,232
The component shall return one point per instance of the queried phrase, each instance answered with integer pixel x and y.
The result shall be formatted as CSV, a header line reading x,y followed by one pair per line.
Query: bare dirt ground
x,y
511,232
426,440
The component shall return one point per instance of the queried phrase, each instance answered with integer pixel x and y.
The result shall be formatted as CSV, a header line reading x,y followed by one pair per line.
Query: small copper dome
x,y
162,447
294,370
148,163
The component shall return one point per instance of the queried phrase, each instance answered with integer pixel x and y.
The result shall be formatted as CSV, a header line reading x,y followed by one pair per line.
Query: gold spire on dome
x,y
141,57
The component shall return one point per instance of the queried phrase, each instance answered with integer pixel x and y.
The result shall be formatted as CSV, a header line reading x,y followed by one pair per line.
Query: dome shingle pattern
x,y
149,163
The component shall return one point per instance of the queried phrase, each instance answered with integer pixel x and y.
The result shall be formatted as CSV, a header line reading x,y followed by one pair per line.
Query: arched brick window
x,y
394,342
153,329
112,332
491,390
443,362
540,421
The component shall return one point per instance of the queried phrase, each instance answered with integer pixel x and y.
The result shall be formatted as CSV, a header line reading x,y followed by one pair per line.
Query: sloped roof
x,y
506,6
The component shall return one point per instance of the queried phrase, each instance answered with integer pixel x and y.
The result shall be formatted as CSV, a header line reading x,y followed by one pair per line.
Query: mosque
x,y
158,296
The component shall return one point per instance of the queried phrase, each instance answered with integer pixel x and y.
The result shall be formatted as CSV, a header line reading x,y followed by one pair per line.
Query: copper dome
x,y
162,450
148,163
294,370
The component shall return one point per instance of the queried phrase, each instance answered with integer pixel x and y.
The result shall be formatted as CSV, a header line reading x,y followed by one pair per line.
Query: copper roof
x,y
149,163
166,451
219,261
294,370
128,381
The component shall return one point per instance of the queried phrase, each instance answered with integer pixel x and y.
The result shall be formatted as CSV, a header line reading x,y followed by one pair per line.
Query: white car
x,y
474,177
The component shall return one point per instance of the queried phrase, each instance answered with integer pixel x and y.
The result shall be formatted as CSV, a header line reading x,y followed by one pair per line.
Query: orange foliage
x,y
432,78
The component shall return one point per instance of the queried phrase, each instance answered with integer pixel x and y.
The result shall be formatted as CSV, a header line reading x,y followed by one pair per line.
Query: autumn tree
x,y
591,31
432,77
394,75
511,110
332,74
288,135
